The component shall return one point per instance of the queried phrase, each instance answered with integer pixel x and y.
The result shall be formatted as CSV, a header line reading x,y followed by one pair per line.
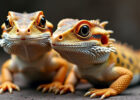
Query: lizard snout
x,y
23,32
56,39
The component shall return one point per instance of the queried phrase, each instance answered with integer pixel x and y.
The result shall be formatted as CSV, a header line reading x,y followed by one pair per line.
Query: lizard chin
x,y
29,49
86,52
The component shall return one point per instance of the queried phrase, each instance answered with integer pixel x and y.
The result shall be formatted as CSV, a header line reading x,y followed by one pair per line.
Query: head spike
x,y
103,24
102,31
109,31
112,40
97,21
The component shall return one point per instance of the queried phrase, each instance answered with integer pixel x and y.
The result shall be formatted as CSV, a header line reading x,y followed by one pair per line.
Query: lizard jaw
x,y
84,52
78,44
26,48
26,37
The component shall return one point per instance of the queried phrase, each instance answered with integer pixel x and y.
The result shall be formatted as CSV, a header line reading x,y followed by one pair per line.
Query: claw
x,y
87,93
56,91
38,88
62,92
10,90
93,95
17,88
102,97
50,89
1,91
44,90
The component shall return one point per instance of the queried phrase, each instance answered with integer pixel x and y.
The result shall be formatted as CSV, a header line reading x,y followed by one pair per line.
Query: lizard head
x,y
82,37
28,30
24,26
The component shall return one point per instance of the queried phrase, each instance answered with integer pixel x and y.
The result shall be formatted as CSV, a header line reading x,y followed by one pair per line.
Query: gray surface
x,y
32,94
28,93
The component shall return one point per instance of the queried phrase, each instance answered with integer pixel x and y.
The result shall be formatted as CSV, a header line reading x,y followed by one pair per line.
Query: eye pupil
x,y
7,23
42,22
84,31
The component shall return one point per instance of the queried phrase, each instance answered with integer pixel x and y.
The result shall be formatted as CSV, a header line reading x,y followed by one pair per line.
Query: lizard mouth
x,y
26,38
78,44
66,45
10,40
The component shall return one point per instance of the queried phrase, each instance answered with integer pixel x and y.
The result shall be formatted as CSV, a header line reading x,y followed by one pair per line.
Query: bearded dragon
x,y
100,59
26,37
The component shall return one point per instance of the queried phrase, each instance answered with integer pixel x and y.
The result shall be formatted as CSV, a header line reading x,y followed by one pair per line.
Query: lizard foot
x,y
49,87
64,88
8,86
101,92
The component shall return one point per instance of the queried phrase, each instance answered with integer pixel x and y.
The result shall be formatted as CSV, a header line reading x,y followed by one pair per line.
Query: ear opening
x,y
104,39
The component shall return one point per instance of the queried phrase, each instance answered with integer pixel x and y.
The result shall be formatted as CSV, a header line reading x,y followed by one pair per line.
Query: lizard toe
x,y
8,86
101,92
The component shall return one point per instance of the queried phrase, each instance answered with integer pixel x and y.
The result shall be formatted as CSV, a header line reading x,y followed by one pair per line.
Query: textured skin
x,y
101,61
27,39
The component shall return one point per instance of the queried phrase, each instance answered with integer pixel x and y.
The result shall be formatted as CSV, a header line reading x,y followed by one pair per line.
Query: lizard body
x,y
100,60
26,37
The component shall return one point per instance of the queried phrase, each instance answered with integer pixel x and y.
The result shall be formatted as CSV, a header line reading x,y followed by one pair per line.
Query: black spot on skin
x,y
122,64
123,55
118,60
130,60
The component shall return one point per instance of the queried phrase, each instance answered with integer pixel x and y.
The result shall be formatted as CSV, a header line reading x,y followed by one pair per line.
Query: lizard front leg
x,y
70,82
62,67
118,86
6,79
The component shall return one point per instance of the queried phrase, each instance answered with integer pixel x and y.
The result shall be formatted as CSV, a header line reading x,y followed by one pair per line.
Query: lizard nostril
x,y
29,30
17,30
60,37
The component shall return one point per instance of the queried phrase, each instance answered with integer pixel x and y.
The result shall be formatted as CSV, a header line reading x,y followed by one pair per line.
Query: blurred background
x,y
123,15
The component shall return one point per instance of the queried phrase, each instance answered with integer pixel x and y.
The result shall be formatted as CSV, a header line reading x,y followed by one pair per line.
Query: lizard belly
x,y
36,71
98,74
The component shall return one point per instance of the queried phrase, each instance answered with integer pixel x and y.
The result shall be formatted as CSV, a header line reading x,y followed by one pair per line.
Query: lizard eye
x,y
7,23
84,31
42,22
